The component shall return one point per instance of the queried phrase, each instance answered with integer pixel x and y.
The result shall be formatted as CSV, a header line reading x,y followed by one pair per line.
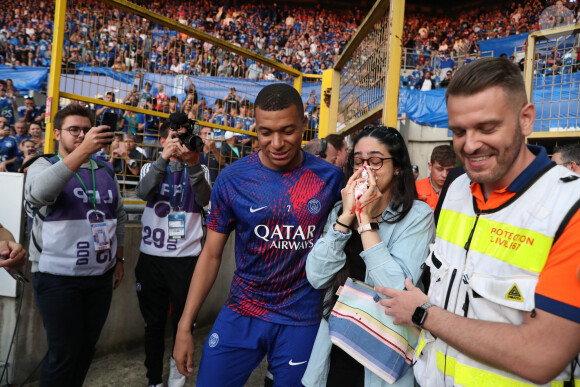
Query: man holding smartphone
x,y
76,247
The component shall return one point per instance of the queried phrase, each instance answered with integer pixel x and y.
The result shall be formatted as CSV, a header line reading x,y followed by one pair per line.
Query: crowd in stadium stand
x,y
307,39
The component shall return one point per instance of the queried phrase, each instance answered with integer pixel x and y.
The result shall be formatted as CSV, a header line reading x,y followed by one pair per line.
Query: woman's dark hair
x,y
404,191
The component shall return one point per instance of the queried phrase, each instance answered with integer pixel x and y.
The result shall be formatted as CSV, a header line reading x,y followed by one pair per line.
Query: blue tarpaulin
x,y
424,107
25,78
503,45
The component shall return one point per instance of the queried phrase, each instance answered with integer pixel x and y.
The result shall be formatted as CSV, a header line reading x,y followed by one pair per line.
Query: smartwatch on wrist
x,y
420,314
368,227
120,259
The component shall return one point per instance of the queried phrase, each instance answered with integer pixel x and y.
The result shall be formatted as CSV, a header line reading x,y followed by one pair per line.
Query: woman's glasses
x,y
373,162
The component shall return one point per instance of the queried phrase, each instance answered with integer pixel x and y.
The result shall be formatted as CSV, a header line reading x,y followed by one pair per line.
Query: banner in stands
x,y
25,78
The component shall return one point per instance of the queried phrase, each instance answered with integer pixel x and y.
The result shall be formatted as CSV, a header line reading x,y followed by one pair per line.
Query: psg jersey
x,y
277,216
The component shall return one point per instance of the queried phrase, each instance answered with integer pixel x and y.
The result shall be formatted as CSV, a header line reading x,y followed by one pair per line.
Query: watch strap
x,y
368,227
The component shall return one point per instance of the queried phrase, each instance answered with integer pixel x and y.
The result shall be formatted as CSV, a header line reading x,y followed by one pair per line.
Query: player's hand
x,y
14,255
183,352
119,274
3,167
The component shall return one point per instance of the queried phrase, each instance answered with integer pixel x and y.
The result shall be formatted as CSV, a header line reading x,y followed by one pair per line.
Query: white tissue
x,y
362,186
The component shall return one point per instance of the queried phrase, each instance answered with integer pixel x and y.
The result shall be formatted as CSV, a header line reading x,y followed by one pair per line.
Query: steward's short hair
x,y
485,73
279,96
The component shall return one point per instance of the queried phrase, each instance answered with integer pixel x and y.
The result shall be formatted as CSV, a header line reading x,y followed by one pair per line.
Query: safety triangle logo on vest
x,y
514,294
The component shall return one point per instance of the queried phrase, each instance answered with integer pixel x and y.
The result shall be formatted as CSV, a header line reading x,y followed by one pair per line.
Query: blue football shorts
x,y
237,344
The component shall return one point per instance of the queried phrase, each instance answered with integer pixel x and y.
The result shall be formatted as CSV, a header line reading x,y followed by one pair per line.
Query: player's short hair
x,y
444,155
279,96
486,73
569,153
71,110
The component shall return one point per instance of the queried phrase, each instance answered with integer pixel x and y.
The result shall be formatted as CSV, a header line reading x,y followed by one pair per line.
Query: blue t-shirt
x,y
8,150
277,216
6,109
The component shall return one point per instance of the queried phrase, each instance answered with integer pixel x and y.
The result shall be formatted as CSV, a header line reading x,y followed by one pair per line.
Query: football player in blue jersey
x,y
277,201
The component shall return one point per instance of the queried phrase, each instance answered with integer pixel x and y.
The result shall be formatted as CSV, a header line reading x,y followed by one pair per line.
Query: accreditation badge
x,y
176,225
100,236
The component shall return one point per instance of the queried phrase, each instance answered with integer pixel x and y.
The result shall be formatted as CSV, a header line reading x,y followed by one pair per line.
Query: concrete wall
x,y
124,327
420,141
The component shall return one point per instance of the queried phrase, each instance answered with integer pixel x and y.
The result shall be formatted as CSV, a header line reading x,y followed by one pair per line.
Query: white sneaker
x,y
175,378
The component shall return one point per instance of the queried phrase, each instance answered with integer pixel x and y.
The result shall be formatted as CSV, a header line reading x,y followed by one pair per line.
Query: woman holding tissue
x,y
379,233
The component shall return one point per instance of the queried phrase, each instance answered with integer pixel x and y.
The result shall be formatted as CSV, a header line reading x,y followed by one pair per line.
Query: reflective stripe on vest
x,y
464,375
498,240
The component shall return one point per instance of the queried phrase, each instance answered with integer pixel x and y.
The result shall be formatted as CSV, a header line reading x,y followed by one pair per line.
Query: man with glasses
x,y
76,245
569,156
176,189
211,156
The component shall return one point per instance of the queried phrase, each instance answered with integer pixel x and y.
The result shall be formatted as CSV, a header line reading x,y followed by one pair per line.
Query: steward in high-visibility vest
x,y
503,307
485,265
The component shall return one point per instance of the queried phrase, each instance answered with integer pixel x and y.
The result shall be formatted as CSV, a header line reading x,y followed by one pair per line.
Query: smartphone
x,y
109,119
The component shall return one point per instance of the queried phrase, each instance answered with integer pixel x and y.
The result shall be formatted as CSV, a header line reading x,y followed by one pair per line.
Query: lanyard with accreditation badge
x,y
98,227
176,225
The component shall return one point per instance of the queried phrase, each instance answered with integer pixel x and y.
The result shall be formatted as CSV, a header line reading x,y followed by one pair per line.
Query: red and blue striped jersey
x,y
277,216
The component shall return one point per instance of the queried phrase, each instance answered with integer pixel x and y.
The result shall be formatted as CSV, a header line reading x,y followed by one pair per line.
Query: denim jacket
x,y
403,248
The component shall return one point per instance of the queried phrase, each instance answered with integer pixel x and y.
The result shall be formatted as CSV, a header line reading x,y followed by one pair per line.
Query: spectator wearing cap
x,y
229,150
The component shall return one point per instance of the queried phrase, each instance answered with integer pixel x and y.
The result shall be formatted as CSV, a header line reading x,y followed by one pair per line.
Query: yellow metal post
x,y
529,65
52,101
328,113
393,70
298,83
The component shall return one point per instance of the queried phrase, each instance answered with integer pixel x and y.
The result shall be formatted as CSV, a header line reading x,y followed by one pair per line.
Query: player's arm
x,y
206,271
